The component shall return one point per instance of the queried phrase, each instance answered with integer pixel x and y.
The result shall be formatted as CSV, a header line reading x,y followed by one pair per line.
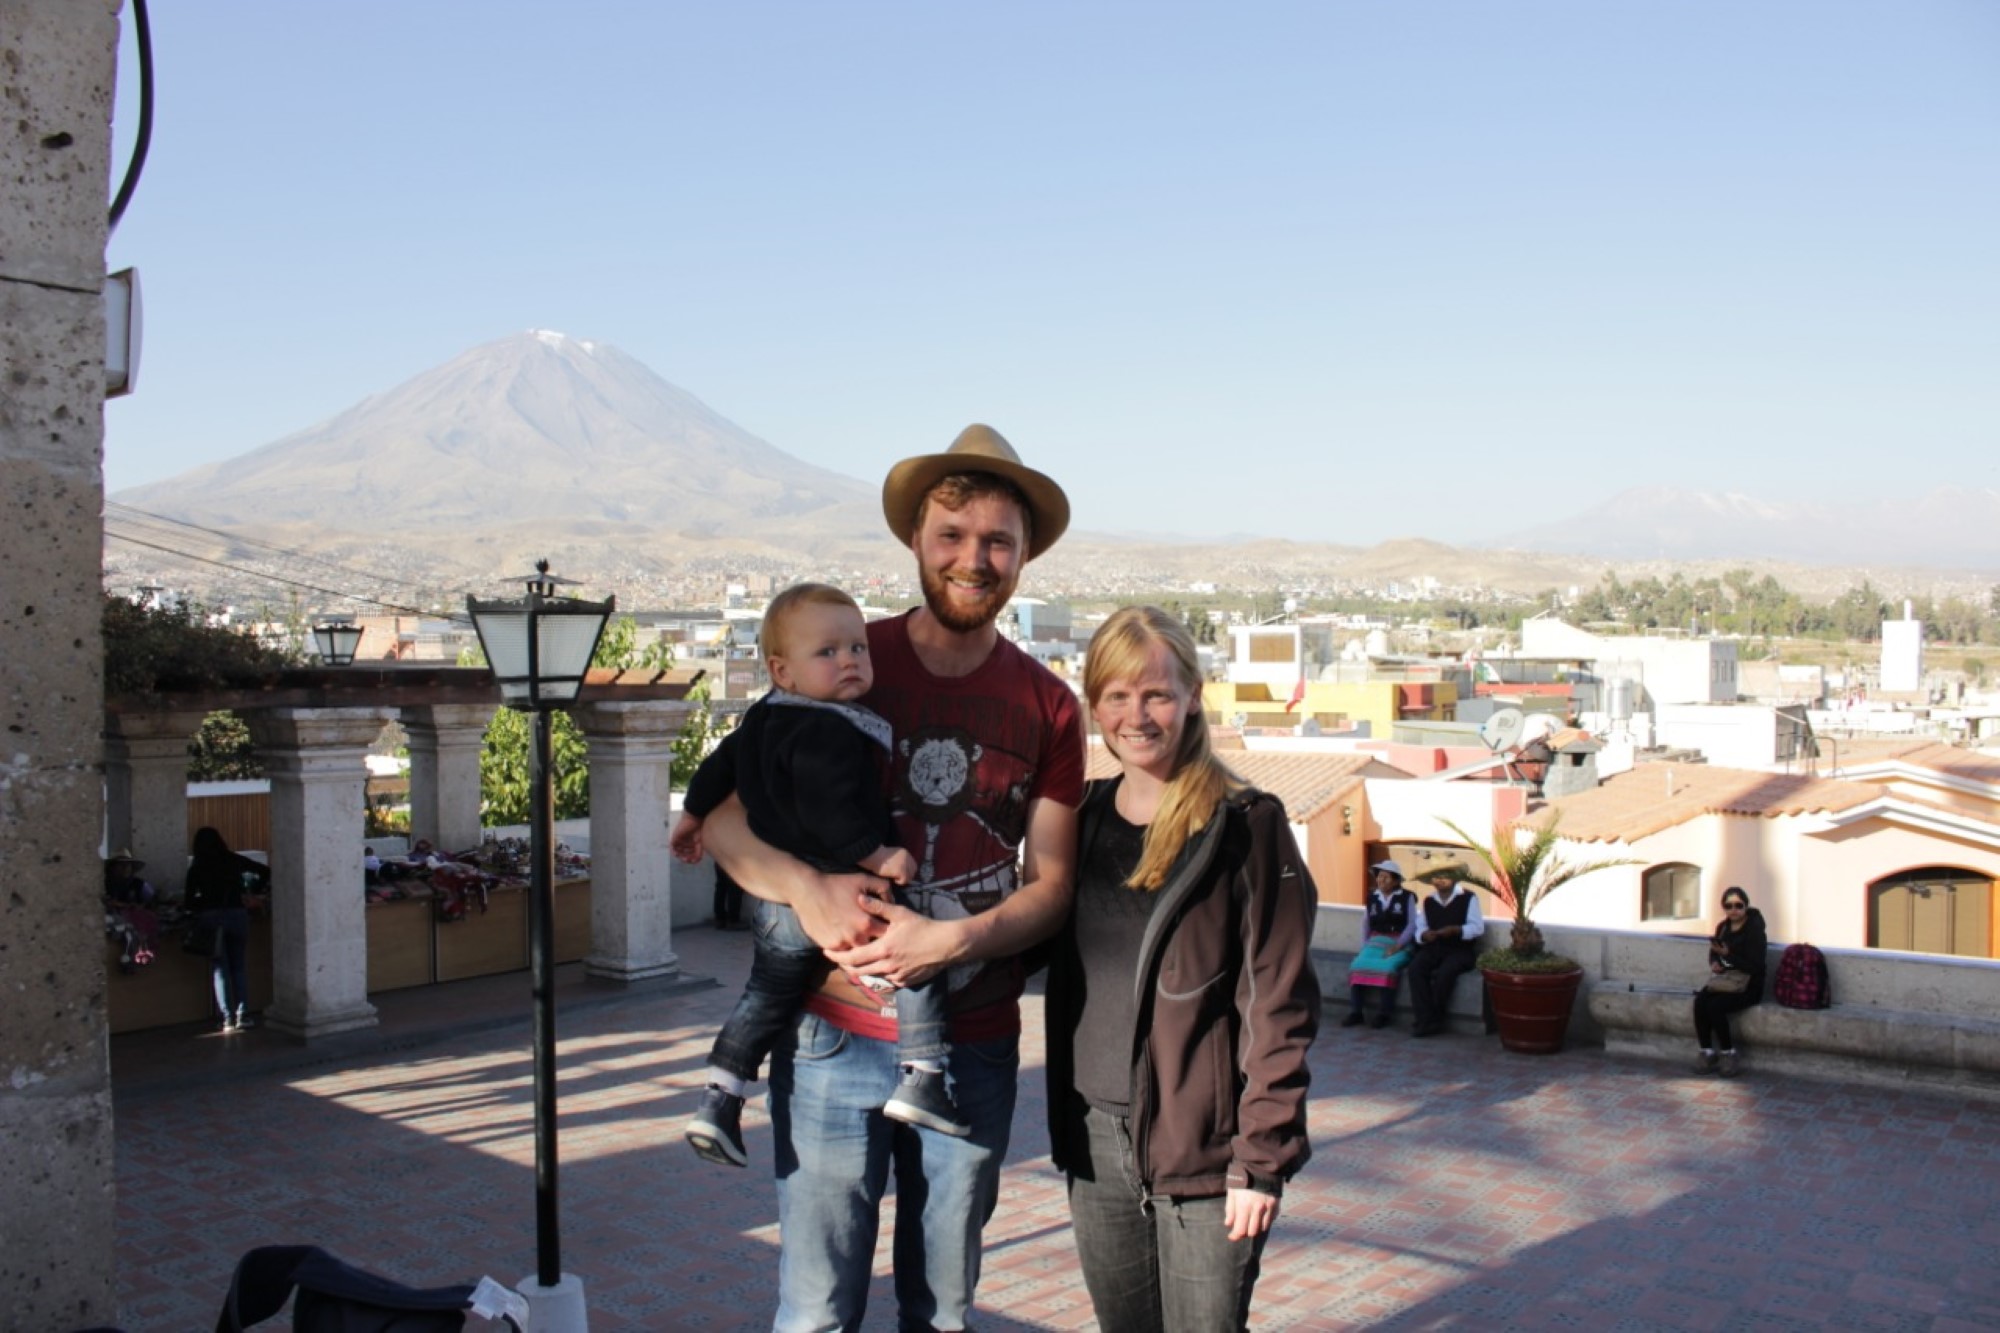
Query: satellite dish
x,y
1539,728
1503,730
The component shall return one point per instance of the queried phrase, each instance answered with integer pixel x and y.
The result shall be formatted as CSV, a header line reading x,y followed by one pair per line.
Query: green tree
x,y
149,649
220,751
698,736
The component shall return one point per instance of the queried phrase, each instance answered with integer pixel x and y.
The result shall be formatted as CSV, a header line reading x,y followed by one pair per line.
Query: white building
x,y
1662,670
1903,654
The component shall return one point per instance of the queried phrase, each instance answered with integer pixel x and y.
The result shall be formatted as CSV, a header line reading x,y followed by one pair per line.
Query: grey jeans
x,y
1156,1265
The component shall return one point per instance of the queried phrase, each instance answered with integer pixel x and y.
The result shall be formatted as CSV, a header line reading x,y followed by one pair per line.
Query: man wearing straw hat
x,y
987,771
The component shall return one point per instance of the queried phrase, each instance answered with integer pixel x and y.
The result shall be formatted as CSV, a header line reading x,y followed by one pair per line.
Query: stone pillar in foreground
x,y
631,870
58,61
145,788
316,760
445,741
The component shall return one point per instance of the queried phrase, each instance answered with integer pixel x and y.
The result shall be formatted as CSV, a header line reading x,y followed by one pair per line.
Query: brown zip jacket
x,y
1228,1005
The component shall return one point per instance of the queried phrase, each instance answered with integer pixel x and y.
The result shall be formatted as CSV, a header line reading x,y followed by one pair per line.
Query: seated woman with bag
x,y
1736,960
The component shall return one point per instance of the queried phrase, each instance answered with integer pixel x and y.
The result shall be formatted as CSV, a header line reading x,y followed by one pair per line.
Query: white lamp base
x,y
557,1309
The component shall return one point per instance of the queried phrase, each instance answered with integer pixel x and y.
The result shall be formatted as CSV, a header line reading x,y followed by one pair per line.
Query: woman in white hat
x,y
1389,936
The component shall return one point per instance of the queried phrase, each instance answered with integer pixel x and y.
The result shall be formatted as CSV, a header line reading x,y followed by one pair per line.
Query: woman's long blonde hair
x,y
1199,783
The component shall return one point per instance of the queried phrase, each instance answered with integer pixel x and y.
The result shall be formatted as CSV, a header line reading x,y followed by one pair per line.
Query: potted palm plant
x,y
1531,990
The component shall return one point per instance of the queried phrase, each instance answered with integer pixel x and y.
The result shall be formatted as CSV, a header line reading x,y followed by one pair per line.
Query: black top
x,y
1389,918
1749,950
1443,916
1110,926
809,778
221,880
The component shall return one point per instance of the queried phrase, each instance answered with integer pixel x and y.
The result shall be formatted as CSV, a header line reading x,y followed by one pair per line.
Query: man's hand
x,y
832,910
910,949
1248,1213
829,906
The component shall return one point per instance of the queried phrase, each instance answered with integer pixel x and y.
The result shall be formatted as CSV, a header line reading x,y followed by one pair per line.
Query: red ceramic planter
x,y
1531,1009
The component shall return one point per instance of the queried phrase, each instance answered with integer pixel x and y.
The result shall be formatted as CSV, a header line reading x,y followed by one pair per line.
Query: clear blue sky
x,y
1380,260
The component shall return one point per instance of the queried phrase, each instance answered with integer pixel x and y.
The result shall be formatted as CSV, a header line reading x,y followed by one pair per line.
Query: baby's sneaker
x,y
716,1132
921,1099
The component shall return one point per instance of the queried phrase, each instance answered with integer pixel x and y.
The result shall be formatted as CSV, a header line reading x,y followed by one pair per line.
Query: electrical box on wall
x,y
121,332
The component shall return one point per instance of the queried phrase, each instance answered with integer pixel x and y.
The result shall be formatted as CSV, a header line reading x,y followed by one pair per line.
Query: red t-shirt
x,y
972,754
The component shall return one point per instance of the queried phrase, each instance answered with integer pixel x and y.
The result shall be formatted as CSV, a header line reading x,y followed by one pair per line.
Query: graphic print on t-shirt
x,y
962,808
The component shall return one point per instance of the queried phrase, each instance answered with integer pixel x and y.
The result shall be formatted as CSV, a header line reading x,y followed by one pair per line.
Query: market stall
x,y
465,917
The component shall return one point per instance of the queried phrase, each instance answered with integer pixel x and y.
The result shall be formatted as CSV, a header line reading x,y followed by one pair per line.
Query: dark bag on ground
x,y
1802,982
335,1297
201,938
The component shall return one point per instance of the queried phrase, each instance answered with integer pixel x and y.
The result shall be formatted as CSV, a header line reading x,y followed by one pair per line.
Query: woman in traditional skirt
x,y
1389,941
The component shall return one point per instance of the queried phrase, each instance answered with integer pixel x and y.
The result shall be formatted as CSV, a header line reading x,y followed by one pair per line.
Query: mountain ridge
x,y
539,442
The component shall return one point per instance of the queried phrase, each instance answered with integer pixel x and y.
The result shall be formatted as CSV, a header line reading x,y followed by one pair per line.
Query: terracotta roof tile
x,y
1306,783
1653,797
1940,756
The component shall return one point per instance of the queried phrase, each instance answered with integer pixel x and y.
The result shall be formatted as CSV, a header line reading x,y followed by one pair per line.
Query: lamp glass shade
x,y
562,635
337,641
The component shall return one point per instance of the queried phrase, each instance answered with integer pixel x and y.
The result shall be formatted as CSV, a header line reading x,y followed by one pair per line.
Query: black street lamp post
x,y
540,649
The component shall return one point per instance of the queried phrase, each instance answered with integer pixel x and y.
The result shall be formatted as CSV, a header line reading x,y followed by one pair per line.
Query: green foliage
x,y
505,791
150,649
1743,604
221,751
1522,873
1512,960
698,736
386,821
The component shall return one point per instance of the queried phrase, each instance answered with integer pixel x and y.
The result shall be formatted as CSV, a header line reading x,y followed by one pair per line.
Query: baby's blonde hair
x,y
771,634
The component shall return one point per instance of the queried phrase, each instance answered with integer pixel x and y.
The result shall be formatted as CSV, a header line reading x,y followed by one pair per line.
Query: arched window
x,y
1671,892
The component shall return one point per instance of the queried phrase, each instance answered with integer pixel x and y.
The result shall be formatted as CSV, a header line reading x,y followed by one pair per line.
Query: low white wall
x,y
1924,984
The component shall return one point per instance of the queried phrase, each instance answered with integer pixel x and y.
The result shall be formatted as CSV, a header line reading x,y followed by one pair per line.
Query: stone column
x,y
445,740
631,871
58,61
316,759
145,788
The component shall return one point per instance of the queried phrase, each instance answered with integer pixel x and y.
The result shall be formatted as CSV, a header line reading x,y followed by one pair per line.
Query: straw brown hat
x,y
977,449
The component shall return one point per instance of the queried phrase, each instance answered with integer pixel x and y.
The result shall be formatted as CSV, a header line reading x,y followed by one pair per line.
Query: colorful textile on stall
x,y
1376,964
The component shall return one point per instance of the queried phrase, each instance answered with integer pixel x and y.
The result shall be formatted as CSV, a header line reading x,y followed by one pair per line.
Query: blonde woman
x,y
1181,1003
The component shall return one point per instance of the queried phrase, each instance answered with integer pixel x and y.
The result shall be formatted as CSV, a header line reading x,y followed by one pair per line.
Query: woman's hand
x,y
1715,967
1248,1213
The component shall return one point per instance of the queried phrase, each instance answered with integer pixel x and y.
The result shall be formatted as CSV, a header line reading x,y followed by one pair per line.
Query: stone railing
x,y
1896,1017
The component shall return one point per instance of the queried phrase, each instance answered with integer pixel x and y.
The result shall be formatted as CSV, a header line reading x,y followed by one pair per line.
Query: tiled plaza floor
x,y
1453,1186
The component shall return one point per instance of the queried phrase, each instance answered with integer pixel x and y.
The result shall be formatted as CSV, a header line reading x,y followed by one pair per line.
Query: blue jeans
x,y
783,970
229,973
834,1153
1155,1265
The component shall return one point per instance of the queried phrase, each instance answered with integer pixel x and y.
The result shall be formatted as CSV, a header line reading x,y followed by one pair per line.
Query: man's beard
x,y
937,597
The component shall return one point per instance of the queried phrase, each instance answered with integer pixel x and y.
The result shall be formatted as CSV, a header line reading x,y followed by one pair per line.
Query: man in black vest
x,y
1447,944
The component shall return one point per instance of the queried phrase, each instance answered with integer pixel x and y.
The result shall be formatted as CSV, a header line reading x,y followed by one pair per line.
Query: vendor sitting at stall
x,y
123,883
1388,940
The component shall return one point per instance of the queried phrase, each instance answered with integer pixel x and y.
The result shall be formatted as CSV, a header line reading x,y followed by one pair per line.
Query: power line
x,y
267,576
239,539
